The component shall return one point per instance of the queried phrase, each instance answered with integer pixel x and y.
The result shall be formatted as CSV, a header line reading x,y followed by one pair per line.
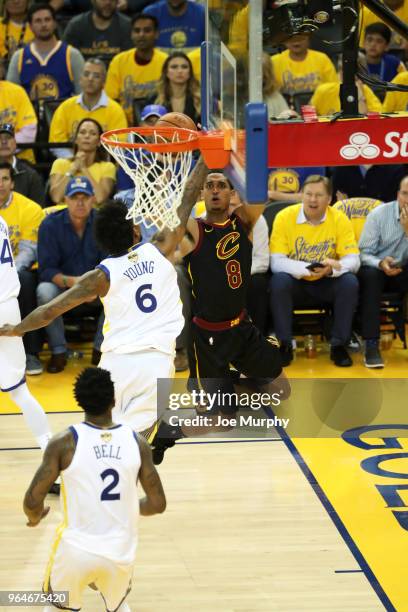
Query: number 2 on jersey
x,y
234,275
145,301
6,255
107,494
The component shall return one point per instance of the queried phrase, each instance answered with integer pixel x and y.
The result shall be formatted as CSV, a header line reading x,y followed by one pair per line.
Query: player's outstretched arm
x,y
192,191
44,477
155,500
88,287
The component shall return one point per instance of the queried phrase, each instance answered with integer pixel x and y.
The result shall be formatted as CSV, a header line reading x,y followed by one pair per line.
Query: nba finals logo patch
x,y
106,437
133,256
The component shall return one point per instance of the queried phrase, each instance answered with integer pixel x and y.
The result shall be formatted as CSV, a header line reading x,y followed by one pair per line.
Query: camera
x,y
283,19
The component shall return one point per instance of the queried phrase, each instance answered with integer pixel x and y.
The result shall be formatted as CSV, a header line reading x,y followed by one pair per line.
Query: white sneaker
x,y
33,365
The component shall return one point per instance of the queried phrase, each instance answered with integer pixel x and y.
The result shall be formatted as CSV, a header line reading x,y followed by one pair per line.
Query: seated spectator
x,y
285,184
397,101
376,41
23,217
90,161
136,73
149,116
66,250
16,109
314,233
26,180
380,182
384,266
14,29
181,24
178,89
300,69
357,210
276,103
46,67
92,103
101,32
326,99
367,17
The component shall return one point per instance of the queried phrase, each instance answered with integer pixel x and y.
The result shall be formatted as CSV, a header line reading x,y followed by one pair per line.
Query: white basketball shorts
x,y
73,570
135,378
12,354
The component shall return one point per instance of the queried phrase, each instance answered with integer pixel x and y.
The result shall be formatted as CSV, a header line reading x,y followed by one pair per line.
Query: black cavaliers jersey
x,y
220,269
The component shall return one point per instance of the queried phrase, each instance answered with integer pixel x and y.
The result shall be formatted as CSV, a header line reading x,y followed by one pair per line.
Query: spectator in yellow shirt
x,y
397,101
136,73
300,69
90,160
92,103
23,217
314,259
357,210
14,29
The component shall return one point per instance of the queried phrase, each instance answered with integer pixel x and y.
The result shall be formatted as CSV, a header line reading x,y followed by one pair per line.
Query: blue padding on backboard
x,y
204,86
256,127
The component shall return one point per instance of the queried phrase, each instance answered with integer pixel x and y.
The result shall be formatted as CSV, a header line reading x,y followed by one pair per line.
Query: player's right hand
x,y
9,330
44,513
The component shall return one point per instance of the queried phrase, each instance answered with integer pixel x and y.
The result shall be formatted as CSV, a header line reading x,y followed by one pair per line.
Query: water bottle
x,y
310,347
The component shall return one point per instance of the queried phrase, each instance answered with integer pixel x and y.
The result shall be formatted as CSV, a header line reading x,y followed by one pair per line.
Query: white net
x,y
159,177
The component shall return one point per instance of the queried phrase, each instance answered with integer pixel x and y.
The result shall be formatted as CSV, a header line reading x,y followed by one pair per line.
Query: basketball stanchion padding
x,y
159,159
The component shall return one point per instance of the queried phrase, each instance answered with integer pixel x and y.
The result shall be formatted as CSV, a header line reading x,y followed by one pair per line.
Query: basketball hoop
x,y
158,160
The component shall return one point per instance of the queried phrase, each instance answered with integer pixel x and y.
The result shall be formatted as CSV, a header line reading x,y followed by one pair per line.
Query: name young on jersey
x,y
139,269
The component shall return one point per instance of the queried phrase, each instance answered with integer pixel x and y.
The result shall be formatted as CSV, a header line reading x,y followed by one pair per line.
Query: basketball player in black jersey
x,y
218,252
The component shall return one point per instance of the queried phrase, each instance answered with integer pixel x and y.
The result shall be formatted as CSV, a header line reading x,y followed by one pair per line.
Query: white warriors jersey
x,y
9,281
142,308
99,496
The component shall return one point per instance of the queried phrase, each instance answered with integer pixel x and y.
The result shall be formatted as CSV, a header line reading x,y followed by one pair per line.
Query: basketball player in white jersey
x,y
138,288
100,463
12,354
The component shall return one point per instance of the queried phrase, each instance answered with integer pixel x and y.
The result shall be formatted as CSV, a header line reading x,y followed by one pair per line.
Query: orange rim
x,y
189,144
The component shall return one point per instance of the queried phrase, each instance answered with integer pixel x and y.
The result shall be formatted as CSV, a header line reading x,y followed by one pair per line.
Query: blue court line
x,y
372,579
360,571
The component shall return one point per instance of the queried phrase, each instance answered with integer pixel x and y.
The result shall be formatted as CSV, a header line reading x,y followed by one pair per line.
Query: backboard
x,y
232,90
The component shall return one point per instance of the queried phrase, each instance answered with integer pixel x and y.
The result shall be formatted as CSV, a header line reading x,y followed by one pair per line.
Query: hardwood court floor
x,y
243,531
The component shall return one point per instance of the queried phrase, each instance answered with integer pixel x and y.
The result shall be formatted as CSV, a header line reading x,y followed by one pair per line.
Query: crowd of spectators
x,y
117,63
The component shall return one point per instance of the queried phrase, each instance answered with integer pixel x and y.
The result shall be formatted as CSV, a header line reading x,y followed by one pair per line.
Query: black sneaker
x,y
286,352
340,357
372,357
165,438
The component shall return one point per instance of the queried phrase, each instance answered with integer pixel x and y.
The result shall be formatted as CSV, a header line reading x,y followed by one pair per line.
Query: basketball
x,y
176,120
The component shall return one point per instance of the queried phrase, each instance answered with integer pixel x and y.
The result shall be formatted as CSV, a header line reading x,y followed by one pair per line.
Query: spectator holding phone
x,y
314,258
384,266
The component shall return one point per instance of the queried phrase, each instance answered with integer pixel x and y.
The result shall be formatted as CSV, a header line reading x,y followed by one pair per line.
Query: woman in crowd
x,y
178,89
90,160
14,29
277,106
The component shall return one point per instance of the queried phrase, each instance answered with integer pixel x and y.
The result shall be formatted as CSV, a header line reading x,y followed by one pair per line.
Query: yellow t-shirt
x,y
367,17
296,77
397,100
16,108
23,217
326,99
333,238
12,37
357,209
70,113
98,170
127,80
195,59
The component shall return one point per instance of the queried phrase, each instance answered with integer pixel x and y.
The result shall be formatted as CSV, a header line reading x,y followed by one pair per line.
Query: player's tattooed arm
x,y
88,287
192,191
155,500
45,476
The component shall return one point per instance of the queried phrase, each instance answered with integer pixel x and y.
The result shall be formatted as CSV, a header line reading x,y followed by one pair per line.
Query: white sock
x,y
33,413
124,608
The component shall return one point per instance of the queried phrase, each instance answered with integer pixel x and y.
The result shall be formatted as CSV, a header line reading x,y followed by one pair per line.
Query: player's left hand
x,y
34,523
9,330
